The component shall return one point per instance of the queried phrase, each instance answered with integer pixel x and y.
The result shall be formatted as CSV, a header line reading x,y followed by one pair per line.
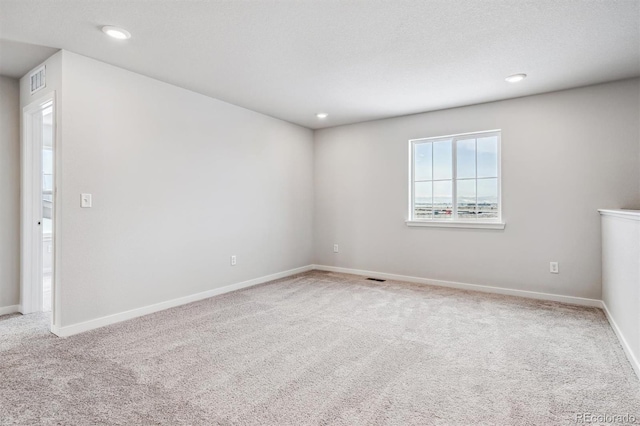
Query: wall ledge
x,y
621,213
456,224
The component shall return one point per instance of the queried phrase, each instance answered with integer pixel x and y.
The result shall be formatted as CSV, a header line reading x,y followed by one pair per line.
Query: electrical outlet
x,y
233,260
554,268
335,248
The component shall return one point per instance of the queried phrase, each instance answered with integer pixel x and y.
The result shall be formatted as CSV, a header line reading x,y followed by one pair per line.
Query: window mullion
x,y
412,189
432,172
476,210
454,182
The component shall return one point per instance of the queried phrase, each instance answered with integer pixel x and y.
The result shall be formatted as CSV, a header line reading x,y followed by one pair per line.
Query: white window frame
x,y
496,223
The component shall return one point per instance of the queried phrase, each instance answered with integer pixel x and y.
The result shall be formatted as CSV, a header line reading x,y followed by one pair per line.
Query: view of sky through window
x,y
456,178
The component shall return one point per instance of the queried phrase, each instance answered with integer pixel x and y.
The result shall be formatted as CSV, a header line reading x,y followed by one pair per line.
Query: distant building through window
x,y
456,178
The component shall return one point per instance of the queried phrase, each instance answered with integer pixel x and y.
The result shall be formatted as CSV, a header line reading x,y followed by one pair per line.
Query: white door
x,y
38,198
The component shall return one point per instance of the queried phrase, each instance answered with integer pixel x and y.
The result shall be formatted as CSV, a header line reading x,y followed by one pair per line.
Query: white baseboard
x,y
70,330
499,290
635,363
134,313
464,286
6,310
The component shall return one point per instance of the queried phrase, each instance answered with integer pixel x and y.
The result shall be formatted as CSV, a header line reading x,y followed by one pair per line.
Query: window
x,y
455,181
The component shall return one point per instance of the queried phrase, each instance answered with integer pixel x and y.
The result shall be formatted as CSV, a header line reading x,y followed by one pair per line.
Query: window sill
x,y
457,224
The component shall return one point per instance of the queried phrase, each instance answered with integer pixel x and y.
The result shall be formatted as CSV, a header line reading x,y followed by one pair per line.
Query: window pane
x,y
422,200
422,156
47,161
47,183
466,199
442,200
488,157
487,198
442,160
466,157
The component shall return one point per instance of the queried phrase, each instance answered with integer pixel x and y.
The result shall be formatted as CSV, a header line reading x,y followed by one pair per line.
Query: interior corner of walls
x,y
94,323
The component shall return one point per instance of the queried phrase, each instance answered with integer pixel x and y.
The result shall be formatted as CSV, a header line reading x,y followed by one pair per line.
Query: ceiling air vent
x,y
37,79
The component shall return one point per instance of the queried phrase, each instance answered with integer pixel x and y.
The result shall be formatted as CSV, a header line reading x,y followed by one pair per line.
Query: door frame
x,y
31,259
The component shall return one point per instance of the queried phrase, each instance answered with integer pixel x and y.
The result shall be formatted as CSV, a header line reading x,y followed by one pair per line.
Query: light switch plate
x,y
85,201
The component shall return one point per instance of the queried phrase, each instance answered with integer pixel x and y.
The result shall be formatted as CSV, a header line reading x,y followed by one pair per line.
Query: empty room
x,y
319,212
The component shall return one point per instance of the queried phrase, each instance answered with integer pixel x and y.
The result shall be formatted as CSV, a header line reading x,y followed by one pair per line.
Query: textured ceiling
x,y
357,60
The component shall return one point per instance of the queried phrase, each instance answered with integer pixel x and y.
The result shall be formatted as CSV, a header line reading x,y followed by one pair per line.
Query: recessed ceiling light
x,y
516,78
115,32
322,115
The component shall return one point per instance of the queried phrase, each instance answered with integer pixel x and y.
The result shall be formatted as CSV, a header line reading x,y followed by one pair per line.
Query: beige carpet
x,y
321,349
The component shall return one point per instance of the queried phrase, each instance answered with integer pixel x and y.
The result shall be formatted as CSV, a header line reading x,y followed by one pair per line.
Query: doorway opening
x,y
38,207
47,205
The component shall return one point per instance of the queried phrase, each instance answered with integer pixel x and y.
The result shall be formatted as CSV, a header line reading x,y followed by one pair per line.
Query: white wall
x,y
9,193
53,78
621,278
53,87
180,182
564,155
